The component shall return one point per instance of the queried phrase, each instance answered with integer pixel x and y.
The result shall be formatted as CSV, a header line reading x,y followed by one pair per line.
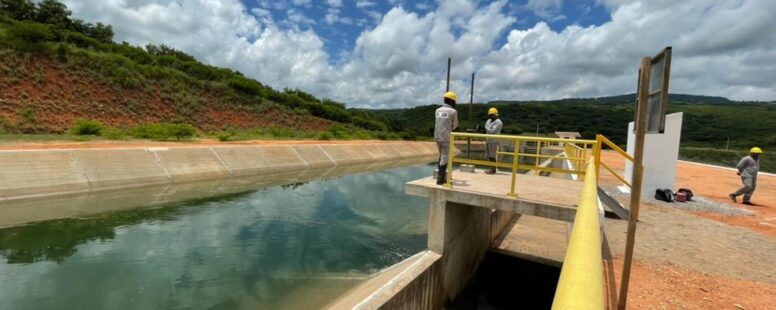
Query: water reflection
x,y
295,246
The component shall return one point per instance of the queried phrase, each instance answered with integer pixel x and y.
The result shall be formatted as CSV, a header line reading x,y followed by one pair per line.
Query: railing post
x,y
512,192
538,152
597,157
450,160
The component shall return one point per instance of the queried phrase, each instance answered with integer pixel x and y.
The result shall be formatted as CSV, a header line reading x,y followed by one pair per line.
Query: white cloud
x,y
364,3
545,8
423,6
723,49
334,3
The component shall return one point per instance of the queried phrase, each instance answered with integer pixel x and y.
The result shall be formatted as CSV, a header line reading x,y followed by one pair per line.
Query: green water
x,y
293,246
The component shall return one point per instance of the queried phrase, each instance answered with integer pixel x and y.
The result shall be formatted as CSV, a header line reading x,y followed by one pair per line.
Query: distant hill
x,y
629,98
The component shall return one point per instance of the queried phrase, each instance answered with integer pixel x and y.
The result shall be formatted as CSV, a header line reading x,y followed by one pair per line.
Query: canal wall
x,y
41,173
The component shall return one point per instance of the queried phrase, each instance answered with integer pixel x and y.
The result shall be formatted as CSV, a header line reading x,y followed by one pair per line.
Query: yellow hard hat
x,y
756,150
451,95
493,111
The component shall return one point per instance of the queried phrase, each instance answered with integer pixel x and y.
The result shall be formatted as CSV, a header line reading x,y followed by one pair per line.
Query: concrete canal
x,y
296,245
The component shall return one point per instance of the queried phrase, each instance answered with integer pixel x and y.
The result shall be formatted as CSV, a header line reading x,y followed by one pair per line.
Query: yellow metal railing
x,y
581,282
602,141
578,148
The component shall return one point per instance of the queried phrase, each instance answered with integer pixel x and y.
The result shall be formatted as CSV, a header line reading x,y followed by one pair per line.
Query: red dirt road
x,y
716,183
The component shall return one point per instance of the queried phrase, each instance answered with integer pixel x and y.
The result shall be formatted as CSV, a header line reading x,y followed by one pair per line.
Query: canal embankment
x,y
43,172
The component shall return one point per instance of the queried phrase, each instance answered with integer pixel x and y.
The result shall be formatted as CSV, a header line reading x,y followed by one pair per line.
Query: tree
x,y
101,32
18,9
55,13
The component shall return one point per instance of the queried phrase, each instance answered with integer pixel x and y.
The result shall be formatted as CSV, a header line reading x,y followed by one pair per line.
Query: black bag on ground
x,y
664,195
687,192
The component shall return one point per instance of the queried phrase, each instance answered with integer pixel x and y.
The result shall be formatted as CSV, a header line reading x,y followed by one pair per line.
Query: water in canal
x,y
281,247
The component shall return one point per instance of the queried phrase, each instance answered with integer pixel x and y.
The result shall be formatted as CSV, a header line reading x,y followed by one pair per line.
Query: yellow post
x,y
512,192
597,156
538,152
451,154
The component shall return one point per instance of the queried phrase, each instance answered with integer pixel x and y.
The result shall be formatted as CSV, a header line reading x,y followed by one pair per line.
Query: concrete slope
x,y
44,172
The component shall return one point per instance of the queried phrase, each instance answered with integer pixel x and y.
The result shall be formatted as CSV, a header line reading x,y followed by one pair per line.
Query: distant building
x,y
568,134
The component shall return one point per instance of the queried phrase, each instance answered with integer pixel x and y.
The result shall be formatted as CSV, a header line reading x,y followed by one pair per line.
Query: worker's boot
x,y
442,175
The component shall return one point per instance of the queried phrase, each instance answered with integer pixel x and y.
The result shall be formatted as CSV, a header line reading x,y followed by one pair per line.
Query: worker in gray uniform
x,y
492,127
747,169
446,122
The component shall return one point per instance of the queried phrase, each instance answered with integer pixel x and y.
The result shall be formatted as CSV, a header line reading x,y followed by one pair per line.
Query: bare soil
x,y
695,259
58,95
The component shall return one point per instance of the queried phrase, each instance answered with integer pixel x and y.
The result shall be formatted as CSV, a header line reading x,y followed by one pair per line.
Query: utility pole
x,y
471,102
470,123
447,89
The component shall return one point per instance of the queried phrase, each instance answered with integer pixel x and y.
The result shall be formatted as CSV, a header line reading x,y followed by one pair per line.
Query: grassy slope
x,y
62,75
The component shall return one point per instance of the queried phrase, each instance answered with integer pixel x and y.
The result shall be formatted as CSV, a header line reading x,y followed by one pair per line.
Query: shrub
x,y
369,124
163,131
32,32
324,135
5,125
225,135
84,127
112,133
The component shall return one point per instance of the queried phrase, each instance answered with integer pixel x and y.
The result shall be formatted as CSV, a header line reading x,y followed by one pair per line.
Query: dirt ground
x,y
692,259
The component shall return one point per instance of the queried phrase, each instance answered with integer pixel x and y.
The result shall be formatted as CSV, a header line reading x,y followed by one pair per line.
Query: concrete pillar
x,y
661,152
462,235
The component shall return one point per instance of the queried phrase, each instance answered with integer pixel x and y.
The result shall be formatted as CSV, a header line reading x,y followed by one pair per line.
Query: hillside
x,y
55,69
705,131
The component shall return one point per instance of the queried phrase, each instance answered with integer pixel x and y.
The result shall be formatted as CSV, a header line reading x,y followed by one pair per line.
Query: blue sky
x,y
340,30
392,53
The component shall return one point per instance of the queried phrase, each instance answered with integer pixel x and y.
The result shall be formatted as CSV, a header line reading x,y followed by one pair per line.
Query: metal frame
x,y
572,146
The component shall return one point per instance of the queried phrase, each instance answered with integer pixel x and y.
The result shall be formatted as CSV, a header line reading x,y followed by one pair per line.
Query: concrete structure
x,y
40,173
568,134
661,152
464,223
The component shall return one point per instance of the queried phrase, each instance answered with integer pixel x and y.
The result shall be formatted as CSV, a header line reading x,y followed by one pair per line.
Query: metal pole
x,y
638,173
471,125
471,101
727,146
447,89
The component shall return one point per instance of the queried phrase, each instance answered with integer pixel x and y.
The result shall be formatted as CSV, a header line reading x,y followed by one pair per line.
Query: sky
x,y
393,53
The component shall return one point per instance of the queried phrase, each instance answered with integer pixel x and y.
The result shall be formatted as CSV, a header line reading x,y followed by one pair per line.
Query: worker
x,y
446,122
492,127
747,169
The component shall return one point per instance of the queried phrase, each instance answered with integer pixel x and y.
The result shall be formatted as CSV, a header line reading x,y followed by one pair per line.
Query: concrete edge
x,y
42,173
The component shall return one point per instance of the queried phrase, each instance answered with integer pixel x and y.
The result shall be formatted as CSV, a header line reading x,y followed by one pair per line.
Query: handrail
x,y
525,138
581,282
578,147
601,141
614,147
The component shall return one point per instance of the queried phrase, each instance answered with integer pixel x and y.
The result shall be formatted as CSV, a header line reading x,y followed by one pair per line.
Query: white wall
x,y
661,151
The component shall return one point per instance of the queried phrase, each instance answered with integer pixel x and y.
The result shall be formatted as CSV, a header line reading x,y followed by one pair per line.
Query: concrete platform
x,y
551,198
534,239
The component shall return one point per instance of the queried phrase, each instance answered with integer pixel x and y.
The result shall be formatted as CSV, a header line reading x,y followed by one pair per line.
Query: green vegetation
x,y
83,127
704,125
164,131
727,158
